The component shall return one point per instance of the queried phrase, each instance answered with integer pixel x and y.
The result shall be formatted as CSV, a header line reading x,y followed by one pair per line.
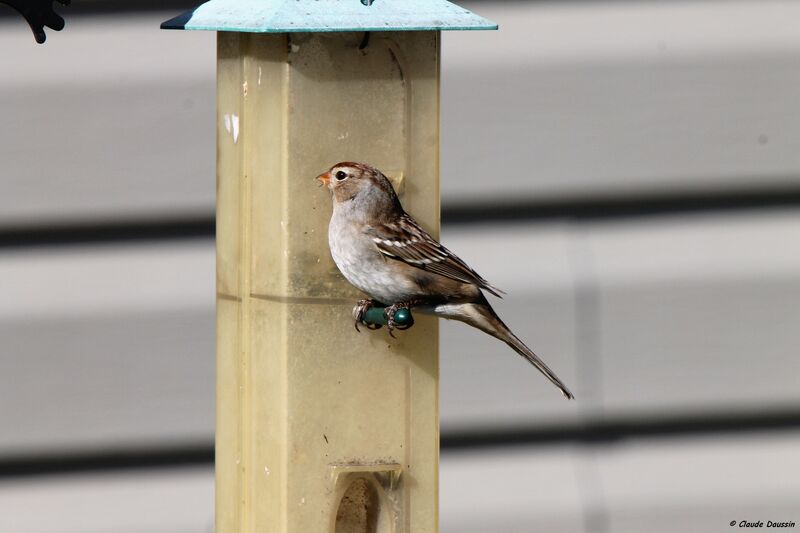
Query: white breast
x,y
362,264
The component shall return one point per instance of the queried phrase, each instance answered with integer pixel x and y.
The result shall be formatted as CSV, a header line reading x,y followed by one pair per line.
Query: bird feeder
x,y
320,428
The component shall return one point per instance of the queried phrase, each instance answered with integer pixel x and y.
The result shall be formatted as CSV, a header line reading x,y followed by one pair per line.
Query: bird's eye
x,y
341,175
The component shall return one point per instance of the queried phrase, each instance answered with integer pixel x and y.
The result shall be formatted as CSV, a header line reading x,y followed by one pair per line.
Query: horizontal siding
x,y
657,323
681,485
691,485
650,99
621,98
656,319
151,501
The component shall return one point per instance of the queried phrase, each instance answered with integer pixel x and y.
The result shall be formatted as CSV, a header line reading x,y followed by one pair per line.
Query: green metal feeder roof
x,y
281,16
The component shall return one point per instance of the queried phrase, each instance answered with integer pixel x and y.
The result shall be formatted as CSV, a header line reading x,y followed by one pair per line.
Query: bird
x,y
381,250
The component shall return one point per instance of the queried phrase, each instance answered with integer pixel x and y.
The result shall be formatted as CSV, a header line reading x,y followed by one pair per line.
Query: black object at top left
x,y
39,13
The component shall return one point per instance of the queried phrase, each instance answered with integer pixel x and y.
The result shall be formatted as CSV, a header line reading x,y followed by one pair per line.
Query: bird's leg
x,y
358,313
394,308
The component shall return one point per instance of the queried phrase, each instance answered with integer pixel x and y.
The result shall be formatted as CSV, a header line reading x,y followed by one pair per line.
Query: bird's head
x,y
363,185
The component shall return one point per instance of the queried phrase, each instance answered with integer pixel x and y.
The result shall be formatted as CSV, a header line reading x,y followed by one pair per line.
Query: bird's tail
x,y
482,316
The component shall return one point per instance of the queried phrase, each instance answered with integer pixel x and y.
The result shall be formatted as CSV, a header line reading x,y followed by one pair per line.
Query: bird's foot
x,y
360,310
391,313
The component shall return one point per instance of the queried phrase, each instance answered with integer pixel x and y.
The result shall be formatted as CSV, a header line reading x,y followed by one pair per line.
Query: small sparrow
x,y
382,251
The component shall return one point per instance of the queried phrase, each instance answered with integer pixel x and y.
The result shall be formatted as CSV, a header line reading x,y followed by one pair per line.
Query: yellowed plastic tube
x,y
319,428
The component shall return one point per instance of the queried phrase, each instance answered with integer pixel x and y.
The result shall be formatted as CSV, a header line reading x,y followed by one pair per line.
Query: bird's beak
x,y
324,178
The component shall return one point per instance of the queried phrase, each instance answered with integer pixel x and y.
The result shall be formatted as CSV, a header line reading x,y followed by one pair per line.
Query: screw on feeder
x,y
365,40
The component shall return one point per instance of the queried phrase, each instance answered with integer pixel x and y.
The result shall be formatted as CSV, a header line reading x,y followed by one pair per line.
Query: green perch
x,y
376,316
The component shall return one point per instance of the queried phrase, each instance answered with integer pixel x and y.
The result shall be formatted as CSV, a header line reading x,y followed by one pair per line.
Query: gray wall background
x,y
628,171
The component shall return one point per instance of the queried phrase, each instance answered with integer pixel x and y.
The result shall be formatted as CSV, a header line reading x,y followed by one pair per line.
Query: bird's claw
x,y
391,325
360,310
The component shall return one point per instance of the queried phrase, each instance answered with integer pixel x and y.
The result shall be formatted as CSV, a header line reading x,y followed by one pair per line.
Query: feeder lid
x,y
282,16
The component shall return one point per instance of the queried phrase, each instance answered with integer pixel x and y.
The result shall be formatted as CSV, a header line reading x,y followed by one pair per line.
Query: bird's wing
x,y
406,241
